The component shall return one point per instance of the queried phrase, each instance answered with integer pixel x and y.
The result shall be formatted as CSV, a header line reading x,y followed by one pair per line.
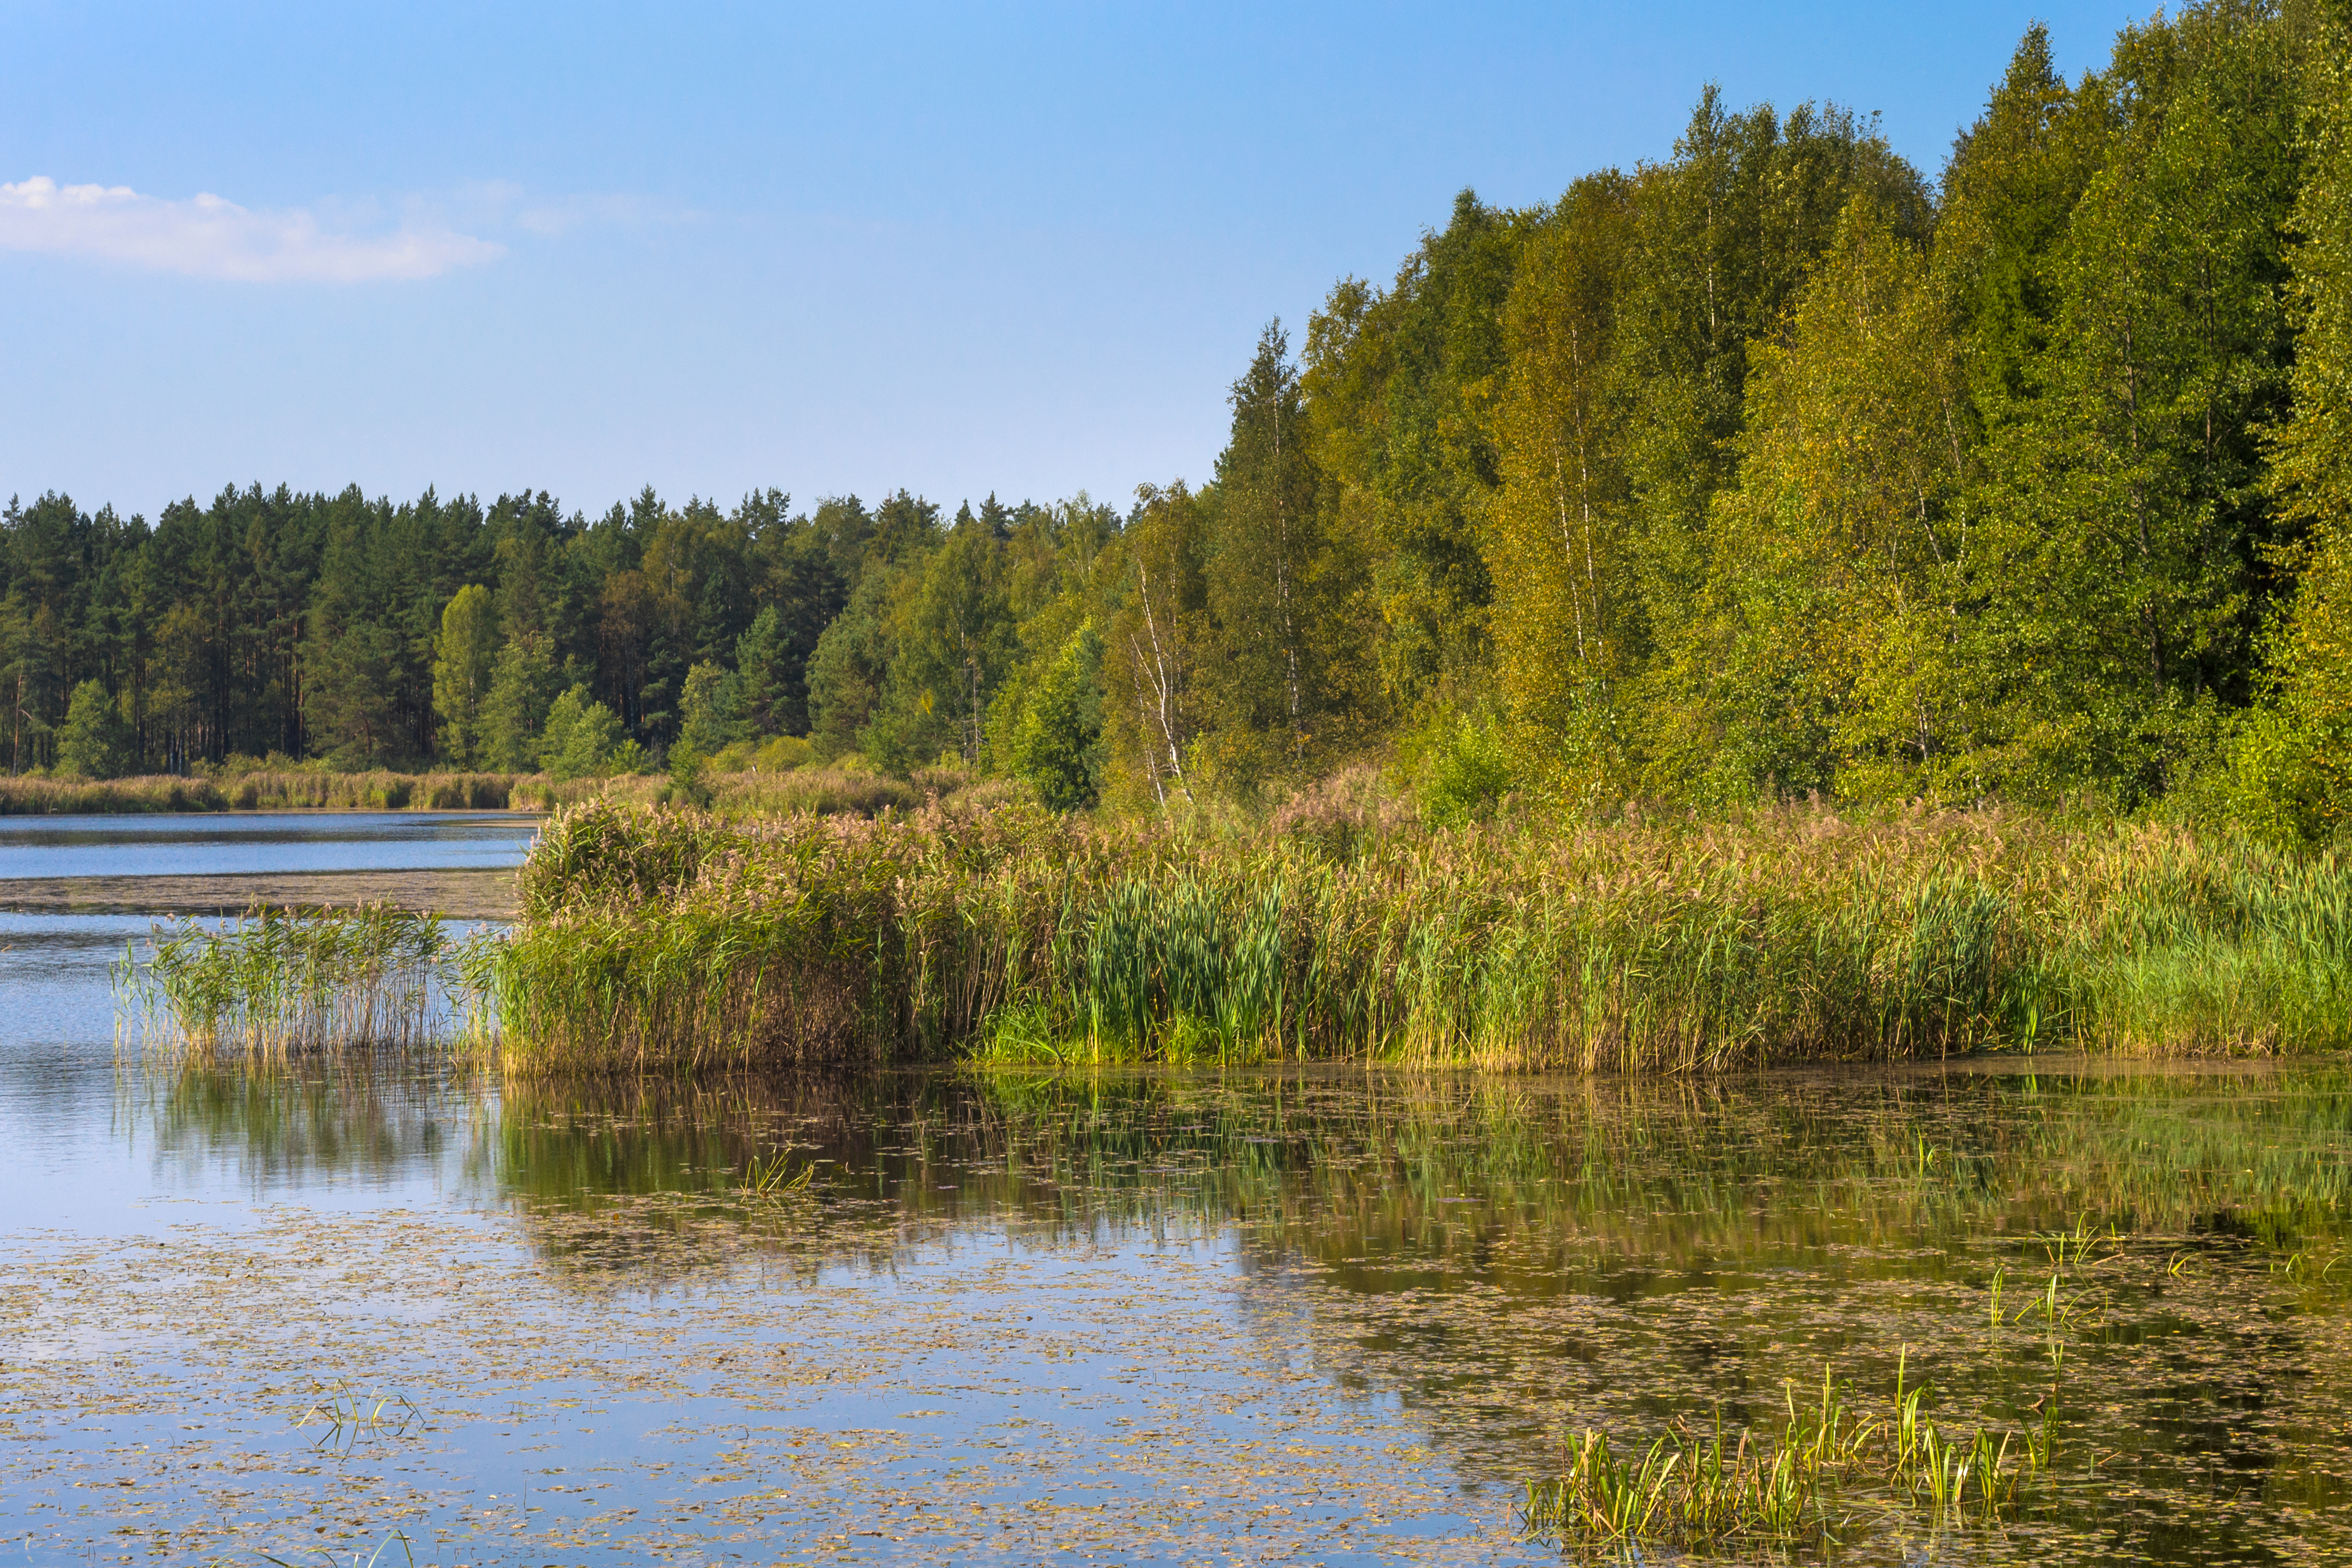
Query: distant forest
x,y
1773,466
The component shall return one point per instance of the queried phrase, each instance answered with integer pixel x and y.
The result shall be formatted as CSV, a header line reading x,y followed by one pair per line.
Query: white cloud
x,y
501,203
211,237
564,214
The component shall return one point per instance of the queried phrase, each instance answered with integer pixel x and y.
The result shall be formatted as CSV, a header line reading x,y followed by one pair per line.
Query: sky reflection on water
x,y
214,844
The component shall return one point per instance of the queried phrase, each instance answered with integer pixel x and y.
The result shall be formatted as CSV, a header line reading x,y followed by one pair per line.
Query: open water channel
x,y
385,1310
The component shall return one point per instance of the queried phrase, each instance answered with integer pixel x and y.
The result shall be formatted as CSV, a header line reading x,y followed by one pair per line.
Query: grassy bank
x,y
671,936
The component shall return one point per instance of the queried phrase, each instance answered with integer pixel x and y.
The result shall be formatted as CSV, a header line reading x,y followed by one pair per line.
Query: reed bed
x,y
302,789
79,796
819,789
746,793
675,937
283,980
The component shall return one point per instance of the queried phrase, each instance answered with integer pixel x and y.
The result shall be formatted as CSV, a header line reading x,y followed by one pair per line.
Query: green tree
x,y
94,741
806,589
1839,651
464,659
953,640
764,663
523,688
2122,500
23,669
1395,387
1159,638
2295,755
351,708
710,706
1057,738
1266,574
1724,238
846,672
1566,616
583,738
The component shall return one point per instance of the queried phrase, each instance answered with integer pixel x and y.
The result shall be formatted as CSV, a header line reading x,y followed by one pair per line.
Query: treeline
x,y
1771,467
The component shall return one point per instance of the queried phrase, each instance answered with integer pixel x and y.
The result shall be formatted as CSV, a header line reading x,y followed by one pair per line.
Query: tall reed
x,y
673,936
296,790
284,979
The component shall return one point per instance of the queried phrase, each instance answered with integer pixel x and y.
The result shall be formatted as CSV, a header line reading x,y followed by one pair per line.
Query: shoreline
x,y
464,895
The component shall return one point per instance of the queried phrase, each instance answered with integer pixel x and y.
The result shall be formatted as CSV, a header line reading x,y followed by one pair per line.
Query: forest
x,y
1776,467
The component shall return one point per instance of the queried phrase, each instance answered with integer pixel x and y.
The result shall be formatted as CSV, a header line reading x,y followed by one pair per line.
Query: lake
x,y
357,1309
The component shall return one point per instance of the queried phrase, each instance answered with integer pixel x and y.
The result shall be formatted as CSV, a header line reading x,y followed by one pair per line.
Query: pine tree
x,y
1265,683
761,661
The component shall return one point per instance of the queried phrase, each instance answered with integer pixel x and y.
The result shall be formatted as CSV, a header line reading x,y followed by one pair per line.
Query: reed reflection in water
x,y
1494,1261
1515,1258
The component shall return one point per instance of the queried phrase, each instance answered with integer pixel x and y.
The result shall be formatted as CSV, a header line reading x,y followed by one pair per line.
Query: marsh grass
x,y
285,979
293,790
678,937
1697,1487
820,790
747,793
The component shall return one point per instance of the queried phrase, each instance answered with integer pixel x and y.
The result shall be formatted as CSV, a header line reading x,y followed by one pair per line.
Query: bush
x,y
689,777
783,753
1466,771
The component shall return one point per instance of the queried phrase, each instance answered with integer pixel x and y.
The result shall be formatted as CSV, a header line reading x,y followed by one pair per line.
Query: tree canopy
x,y
1774,465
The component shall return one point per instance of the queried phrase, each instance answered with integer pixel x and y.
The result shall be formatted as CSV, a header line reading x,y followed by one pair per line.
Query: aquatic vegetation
x,y
398,1537
1446,1266
351,1417
1696,1486
768,1176
674,936
53,796
284,979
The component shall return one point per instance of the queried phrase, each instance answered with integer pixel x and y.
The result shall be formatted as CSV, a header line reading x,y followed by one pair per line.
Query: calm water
x,y
1325,1315
218,845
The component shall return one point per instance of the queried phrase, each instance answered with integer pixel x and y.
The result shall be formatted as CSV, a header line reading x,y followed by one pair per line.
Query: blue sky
x,y
584,248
